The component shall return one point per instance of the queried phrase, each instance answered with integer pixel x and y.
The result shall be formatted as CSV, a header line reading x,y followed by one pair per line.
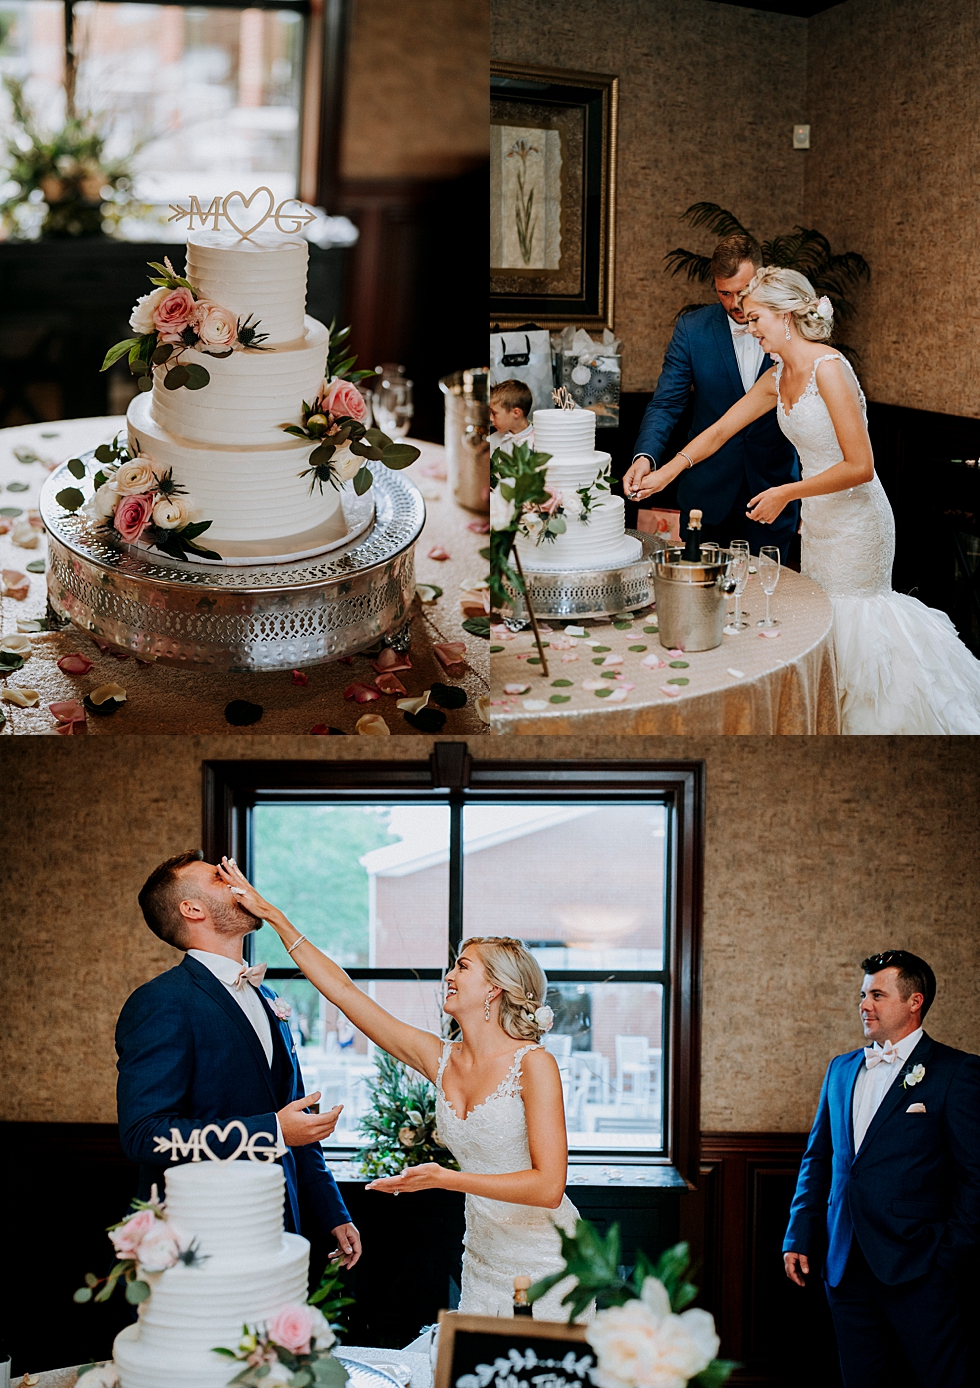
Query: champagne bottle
x,y
521,1305
692,546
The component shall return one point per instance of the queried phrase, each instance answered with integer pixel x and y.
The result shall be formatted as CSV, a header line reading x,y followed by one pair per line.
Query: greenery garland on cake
x,y
401,1122
335,422
174,319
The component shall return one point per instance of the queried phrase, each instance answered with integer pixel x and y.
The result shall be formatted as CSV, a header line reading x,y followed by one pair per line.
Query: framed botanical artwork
x,y
552,196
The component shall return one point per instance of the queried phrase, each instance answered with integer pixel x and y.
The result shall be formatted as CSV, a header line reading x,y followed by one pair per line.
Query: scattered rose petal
x,y
482,705
562,643
534,705
102,645
124,655
502,630
34,518
390,661
346,660
15,584
613,660
428,592
670,690
5,525
770,633
475,604
479,527
653,662
107,693
372,725
26,624
618,695
433,467
675,654
23,698
75,664
625,684
390,684
574,631
363,693
516,688
450,652
16,643
736,674
753,569
413,705
25,535
594,684
240,713
299,677
325,730
68,711
570,656
437,552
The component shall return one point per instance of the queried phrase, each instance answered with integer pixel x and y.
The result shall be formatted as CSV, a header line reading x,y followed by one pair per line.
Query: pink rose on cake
x,y
133,478
292,1328
133,516
128,1237
174,312
214,325
142,320
341,399
160,1248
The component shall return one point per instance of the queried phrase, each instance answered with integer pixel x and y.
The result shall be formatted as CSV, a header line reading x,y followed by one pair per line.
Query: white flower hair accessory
x,y
824,307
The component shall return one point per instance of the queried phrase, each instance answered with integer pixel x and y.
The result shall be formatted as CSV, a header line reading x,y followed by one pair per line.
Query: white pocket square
x,y
916,1108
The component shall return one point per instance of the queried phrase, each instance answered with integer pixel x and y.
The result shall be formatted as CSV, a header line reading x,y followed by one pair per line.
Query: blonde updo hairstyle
x,y
787,291
523,985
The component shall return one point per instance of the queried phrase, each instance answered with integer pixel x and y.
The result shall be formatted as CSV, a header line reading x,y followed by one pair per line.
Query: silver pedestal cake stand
x,y
248,617
590,592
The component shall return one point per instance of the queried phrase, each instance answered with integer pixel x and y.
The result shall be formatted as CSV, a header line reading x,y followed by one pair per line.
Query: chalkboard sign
x,y
505,1352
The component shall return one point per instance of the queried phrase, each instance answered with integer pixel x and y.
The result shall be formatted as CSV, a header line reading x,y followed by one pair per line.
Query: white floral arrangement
x,y
293,1348
145,1243
172,319
135,499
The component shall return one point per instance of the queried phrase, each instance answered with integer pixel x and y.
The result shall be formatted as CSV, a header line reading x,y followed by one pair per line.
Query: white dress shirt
x,y
748,353
871,1086
226,971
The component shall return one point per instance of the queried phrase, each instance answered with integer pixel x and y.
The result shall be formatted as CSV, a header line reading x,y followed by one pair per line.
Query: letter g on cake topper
x,y
217,212
259,1146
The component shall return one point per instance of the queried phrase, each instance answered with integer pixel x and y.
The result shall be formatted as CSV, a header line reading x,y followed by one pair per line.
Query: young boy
x,y
510,405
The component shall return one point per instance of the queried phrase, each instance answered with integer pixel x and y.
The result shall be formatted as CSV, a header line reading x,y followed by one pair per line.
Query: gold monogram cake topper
x,y
218,212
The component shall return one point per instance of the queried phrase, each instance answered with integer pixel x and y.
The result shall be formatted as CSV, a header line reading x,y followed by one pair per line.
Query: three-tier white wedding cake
x,y
595,525
245,1271
225,442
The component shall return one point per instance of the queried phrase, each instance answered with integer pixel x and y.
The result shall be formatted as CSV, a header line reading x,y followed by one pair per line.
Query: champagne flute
x,y
740,573
768,577
743,547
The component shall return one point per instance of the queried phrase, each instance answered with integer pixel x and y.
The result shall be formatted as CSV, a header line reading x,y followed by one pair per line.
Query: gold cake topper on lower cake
x,y
218,212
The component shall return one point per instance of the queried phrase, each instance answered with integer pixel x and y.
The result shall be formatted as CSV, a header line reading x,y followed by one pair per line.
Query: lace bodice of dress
x,y
848,537
493,1138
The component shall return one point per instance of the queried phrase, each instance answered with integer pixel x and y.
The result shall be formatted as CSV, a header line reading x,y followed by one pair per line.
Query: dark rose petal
x,y
427,720
448,695
240,713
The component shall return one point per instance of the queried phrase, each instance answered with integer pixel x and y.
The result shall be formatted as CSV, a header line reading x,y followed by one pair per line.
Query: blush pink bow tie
x,y
253,974
880,1055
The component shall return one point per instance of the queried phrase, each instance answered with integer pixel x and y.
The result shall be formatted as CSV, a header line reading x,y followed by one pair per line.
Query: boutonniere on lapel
x,y
914,1076
283,1010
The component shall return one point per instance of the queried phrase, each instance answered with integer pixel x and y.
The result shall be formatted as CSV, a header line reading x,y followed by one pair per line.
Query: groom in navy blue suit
x,y
208,1043
890,1186
713,352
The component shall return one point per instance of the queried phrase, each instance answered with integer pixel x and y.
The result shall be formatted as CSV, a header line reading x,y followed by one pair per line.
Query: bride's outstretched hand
x,y
426,1176
246,893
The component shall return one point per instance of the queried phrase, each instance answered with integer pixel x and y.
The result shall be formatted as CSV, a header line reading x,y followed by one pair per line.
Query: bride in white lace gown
x,y
499,1105
901,667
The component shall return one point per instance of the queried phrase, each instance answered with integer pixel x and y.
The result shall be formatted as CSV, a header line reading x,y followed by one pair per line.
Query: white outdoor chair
x,y
633,1065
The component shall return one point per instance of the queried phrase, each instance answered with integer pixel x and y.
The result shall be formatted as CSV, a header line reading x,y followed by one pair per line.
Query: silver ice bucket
x,y
467,399
692,598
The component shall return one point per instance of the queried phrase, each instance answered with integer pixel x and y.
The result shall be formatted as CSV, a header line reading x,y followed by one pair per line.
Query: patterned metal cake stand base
x,y
266,617
590,592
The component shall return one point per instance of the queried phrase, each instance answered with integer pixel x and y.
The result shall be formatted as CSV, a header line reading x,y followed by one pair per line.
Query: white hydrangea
x,y
644,1345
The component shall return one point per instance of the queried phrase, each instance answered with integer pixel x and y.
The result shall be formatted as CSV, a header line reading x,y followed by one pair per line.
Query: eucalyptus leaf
x,y
18,486
137,1291
104,454
399,455
367,450
376,437
161,353
36,566
70,498
11,512
99,479
363,480
294,429
198,376
176,377
144,383
9,662
321,454
718,1372
76,467
91,1280
83,1294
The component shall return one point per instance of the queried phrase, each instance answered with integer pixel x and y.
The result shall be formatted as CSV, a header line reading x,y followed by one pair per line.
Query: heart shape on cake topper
x,y
245,234
222,1135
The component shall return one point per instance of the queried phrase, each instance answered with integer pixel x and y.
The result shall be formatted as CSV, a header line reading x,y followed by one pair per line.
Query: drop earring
x,y
786,328
486,1007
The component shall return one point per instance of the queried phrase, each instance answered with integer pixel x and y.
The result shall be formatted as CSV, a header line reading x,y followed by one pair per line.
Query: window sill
x,y
616,1175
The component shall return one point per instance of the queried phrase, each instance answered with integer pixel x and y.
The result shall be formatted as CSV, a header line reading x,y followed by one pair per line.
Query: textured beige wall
x,y
708,98
416,100
894,172
818,851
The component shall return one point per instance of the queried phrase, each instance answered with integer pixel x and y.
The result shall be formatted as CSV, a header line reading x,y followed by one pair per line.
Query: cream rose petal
x,y
16,643
372,725
23,698
413,705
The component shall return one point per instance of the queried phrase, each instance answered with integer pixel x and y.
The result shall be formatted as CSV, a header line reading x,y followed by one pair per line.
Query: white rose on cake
x,y
141,319
102,504
323,1336
160,1249
644,1345
171,512
99,1376
134,478
215,326
346,464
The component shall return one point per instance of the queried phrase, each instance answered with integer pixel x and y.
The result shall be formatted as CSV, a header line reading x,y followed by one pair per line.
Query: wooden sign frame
x,y
511,1330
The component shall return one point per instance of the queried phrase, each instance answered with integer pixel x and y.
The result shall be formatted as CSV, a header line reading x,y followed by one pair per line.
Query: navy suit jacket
x,y
701,353
189,1056
911,1195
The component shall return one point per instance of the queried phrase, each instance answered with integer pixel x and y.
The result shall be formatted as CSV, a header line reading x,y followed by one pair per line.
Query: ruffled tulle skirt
x,y
901,668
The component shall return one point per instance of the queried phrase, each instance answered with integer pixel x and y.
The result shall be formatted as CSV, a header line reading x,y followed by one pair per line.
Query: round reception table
x,y
615,677
164,699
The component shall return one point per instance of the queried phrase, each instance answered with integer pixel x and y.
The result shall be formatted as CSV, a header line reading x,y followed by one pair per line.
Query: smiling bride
x,y
499,1106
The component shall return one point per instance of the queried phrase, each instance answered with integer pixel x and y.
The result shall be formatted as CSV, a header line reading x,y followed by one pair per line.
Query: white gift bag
x,y
524,355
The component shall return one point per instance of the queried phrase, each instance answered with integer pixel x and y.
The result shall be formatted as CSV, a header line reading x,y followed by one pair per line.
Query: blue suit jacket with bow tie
x,y
911,1194
701,354
189,1056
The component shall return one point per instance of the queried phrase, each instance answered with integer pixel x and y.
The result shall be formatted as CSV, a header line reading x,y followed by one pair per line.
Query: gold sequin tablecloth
x,y
750,684
162,699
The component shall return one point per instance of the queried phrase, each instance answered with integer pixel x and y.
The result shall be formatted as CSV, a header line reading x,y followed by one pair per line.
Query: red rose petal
x,y
450,652
390,661
75,664
437,552
68,711
363,693
479,527
390,684
299,677
15,584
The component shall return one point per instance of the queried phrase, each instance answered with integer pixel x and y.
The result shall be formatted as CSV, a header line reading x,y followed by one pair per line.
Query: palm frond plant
x,y
803,249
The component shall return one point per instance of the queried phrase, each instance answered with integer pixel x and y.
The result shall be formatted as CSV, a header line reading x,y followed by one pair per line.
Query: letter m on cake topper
x,y
218,212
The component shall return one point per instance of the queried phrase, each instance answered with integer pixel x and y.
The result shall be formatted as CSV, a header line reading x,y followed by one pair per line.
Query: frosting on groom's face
x,y
729,290
214,903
